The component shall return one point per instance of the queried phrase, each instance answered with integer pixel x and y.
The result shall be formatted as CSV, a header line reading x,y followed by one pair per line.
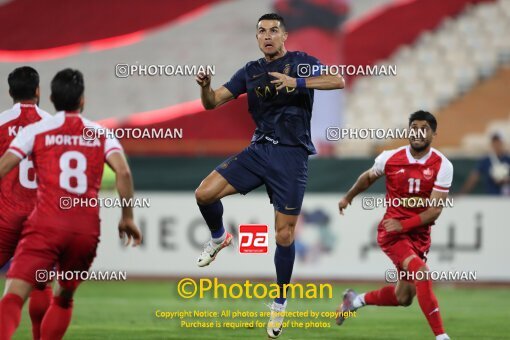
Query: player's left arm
x,y
19,148
8,162
438,199
321,82
124,182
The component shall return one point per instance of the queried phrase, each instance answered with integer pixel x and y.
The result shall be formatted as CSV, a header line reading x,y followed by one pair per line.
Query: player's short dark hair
x,y
496,137
67,87
23,83
424,115
272,16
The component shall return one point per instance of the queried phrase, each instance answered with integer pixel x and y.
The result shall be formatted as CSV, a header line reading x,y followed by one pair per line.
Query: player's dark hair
x,y
272,16
23,83
424,115
496,137
66,90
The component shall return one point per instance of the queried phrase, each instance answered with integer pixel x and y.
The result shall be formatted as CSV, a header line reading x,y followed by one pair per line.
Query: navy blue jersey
x,y
282,117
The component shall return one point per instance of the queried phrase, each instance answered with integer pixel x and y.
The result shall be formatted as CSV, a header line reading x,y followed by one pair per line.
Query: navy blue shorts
x,y
283,169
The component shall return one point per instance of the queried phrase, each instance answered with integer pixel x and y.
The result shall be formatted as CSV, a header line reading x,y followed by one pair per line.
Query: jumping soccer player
x,y
67,166
281,106
18,188
417,171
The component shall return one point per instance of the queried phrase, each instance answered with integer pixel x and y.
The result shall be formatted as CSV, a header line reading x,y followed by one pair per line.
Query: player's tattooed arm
x,y
127,228
429,216
8,162
211,99
362,183
322,82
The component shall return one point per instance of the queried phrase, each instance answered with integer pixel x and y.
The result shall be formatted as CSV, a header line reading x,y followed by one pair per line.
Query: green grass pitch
x,y
126,310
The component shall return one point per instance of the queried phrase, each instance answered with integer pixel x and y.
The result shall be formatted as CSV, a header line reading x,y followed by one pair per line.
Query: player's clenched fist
x,y
392,225
129,231
203,79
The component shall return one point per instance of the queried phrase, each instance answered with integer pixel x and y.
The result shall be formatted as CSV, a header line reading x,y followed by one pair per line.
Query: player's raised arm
x,y
124,183
364,181
212,98
321,82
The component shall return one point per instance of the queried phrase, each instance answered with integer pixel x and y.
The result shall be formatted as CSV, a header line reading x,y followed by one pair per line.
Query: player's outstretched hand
x,y
392,225
344,202
282,80
129,231
203,79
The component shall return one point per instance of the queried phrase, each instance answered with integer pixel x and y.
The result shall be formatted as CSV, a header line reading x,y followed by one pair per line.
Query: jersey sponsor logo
x,y
271,91
428,173
253,239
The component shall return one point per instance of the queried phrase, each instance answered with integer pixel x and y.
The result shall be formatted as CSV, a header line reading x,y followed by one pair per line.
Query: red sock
x,y
382,297
10,315
39,302
427,299
57,319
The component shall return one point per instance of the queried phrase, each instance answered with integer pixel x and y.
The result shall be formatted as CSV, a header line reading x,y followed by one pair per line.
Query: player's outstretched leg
x,y
208,196
39,303
350,303
400,295
284,257
426,298
11,304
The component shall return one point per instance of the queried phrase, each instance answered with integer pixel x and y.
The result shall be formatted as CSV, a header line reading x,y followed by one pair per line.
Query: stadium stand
x,y
441,38
460,61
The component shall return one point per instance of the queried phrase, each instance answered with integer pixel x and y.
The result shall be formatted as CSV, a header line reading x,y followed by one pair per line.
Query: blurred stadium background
x,y
452,58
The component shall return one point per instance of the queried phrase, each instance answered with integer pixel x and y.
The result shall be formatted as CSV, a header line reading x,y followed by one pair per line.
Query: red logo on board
x,y
253,239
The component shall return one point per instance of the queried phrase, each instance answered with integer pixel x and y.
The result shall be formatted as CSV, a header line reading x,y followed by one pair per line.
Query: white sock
x,y
443,336
359,301
220,239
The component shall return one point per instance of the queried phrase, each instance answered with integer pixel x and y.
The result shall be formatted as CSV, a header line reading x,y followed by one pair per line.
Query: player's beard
x,y
425,145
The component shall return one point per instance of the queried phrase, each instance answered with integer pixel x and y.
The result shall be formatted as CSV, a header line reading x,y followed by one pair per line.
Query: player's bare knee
x,y
405,263
405,300
285,235
18,287
204,195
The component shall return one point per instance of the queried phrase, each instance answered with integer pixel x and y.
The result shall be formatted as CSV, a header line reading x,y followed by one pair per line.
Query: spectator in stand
x,y
494,169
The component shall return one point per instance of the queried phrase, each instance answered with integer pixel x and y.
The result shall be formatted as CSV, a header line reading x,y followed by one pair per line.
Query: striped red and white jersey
x,y
67,166
407,177
18,187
